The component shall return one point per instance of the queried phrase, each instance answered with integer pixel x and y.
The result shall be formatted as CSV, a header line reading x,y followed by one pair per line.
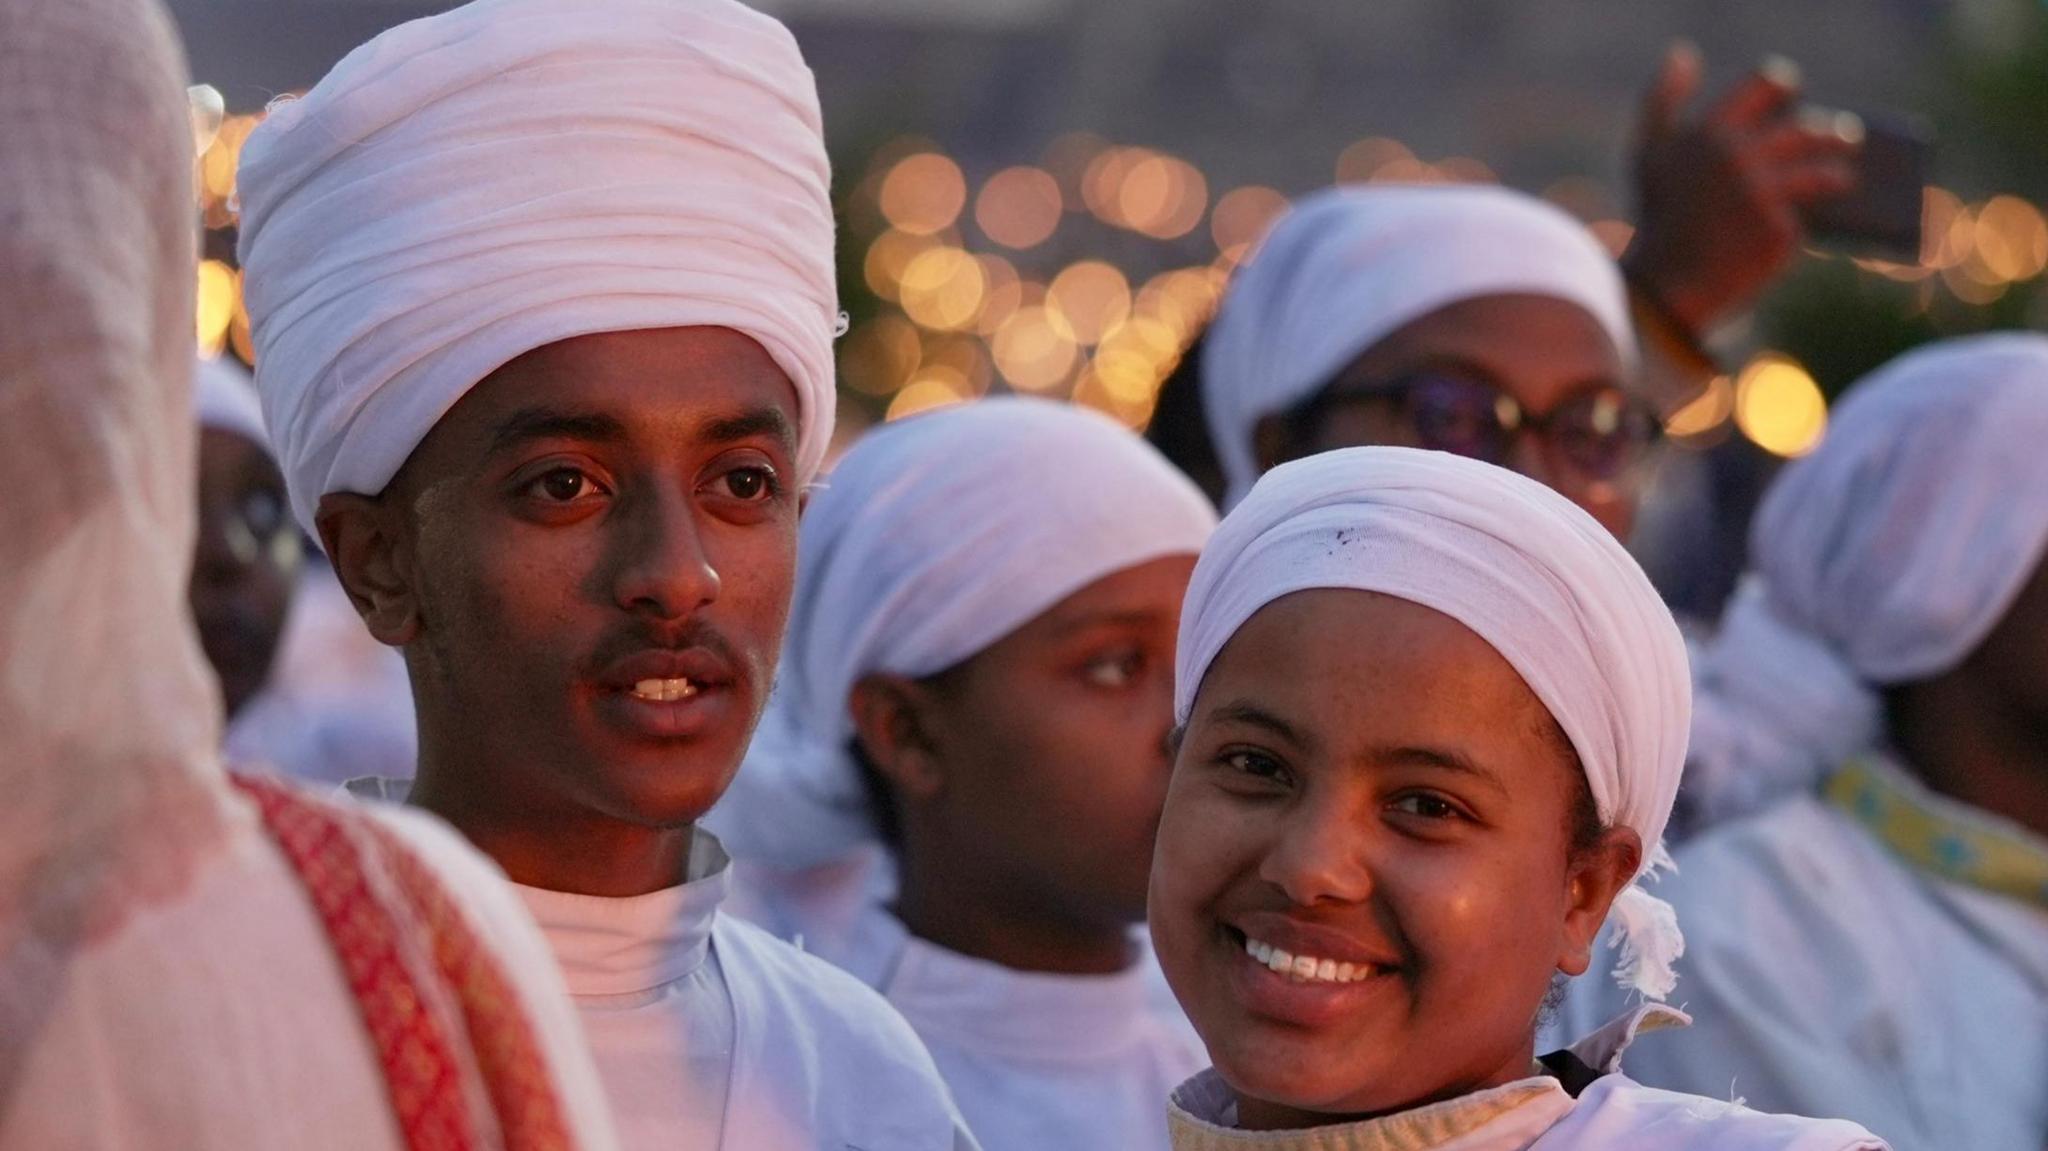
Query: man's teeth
x,y
664,690
1306,968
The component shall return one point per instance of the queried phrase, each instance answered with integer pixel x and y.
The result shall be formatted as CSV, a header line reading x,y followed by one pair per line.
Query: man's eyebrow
x,y
1252,715
1131,617
1440,758
528,424
748,424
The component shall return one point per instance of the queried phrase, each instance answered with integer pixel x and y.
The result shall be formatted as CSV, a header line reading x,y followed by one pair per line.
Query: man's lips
x,y
667,693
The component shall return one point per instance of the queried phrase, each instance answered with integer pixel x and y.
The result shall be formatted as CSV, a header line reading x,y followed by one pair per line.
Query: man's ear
x,y
1593,878
371,558
893,718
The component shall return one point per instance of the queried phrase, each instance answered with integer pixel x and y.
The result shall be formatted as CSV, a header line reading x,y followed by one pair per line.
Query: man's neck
x,y
1970,745
958,915
554,844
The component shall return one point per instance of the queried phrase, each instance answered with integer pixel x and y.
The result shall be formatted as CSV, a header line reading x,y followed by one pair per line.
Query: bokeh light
x,y
219,293
1242,216
1705,413
934,387
1019,207
923,194
1032,351
879,356
1087,299
1779,407
942,288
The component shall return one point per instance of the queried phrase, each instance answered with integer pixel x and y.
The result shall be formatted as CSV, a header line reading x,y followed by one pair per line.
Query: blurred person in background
x,y
1876,946
248,553
1433,719
186,960
1480,321
955,792
542,300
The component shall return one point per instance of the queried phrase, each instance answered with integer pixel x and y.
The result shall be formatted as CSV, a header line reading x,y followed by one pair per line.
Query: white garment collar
x,y
620,946
960,1001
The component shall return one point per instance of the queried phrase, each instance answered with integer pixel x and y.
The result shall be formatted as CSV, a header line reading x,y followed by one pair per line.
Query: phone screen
x,y
1881,215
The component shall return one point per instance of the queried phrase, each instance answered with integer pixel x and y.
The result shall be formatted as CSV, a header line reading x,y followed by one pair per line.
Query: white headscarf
x,y
224,398
1523,568
1350,266
109,714
1885,557
470,186
933,538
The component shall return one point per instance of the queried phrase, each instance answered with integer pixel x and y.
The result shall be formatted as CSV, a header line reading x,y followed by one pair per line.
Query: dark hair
x,y
1180,426
881,801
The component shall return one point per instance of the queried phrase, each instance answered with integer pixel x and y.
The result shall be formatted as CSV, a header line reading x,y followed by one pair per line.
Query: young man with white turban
x,y
185,962
982,649
1877,946
1433,722
543,305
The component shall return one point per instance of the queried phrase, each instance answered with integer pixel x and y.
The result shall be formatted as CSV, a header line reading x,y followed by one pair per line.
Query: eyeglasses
x,y
1598,434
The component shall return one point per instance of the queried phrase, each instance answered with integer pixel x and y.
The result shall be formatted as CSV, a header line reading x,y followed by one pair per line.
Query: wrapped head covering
x,y
1884,557
109,714
224,399
933,538
1348,267
1522,567
471,186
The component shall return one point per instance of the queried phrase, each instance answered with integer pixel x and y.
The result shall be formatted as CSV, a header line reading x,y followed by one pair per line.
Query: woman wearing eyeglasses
x,y
1472,320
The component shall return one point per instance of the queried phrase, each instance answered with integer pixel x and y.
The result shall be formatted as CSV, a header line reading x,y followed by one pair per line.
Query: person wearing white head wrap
x,y
543,303
1350,269
1873,942
682,184
1030,556
1325,798
176,969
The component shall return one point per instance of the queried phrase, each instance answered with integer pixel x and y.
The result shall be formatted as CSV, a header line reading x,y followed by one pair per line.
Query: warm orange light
x,y
219,288
935,387
1779,407
1707,411
1243,215
889,257
1087,299
1032,352
1019,207
923,194
1363,160
942,288
879,356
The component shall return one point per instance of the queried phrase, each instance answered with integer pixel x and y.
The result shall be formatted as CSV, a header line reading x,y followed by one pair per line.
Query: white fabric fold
x,y
1527,571
470,186
933,538
1885,557
1350,266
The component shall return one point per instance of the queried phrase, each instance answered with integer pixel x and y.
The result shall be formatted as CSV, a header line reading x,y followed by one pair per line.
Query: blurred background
x,y
1047,196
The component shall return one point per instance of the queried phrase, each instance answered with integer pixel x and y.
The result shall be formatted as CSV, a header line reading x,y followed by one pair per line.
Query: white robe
x,y
1828,977
1613,1113
168,1034
708,1032
1034,1060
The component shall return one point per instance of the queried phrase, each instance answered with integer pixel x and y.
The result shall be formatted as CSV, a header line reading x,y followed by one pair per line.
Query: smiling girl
x,y
1434,717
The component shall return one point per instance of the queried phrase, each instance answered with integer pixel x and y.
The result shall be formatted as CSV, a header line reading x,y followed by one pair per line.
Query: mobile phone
x,y
1881,215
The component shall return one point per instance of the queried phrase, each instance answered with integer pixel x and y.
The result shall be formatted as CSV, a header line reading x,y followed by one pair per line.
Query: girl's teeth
x,y
1304,968
664,690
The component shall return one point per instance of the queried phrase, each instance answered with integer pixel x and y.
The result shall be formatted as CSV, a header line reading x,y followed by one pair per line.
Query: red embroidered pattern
x,y
326,846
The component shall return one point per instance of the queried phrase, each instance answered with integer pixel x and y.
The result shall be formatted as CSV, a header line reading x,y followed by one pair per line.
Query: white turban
x,y
1350,266
932,539
470,186
224,398
1885,557
1524,569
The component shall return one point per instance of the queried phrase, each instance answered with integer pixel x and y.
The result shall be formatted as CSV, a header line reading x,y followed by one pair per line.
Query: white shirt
x,y
709,1033
1828,977
1612,1113
1035,1060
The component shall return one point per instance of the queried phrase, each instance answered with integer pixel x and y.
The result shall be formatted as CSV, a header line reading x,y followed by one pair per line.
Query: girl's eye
x,y
1428,807
751,483
563,485
1257,766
